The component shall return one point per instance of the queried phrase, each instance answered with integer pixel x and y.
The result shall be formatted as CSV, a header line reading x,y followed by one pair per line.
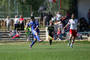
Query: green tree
x,y
21,7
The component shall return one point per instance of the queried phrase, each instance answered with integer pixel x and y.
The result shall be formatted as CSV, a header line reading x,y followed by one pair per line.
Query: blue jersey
x,y
34,24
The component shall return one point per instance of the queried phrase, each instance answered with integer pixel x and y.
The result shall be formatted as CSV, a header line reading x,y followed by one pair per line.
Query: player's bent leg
x,y
33,42
50,40
70,38
73,39
36,34
74,36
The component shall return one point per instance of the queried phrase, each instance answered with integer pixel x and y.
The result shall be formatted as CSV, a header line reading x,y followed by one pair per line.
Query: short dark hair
x,y
32,17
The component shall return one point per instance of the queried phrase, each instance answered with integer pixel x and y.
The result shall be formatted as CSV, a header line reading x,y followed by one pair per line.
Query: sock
x,y
37,37
50,41
33,42
71,45
72,41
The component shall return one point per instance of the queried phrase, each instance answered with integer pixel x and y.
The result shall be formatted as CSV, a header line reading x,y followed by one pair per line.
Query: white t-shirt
x,y
8,20
73,24
58,16
16,21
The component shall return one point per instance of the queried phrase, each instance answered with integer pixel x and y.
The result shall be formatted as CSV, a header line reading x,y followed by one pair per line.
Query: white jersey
x,y
73,24
8,20
58,16
16,21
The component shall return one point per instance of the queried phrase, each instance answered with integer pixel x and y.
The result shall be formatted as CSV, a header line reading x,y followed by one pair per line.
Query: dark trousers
x,y
22,26
50,41
16,26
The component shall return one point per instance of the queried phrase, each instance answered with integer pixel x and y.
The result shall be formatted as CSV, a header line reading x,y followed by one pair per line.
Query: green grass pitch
x,y
43,51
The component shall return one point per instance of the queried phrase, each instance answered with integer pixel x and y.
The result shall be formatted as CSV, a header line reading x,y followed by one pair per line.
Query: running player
x,y
73,30
34,29
51,31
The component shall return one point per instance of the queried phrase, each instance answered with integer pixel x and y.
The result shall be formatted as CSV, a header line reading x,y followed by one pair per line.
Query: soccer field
x,y
43,51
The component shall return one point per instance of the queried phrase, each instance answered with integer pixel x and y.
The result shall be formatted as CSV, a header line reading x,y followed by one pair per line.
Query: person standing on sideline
x,y
58,16
16,23
8,21
34,29
73,30
21,22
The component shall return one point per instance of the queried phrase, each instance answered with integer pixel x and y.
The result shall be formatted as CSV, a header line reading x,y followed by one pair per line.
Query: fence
x,y
4,36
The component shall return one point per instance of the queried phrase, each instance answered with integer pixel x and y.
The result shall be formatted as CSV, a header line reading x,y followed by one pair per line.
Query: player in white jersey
x,y
73,29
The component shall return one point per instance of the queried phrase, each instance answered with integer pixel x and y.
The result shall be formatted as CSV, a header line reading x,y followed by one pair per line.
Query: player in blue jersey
x,y
34,24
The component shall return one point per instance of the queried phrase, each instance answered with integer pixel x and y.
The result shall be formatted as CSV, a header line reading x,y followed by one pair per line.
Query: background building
x,y
83,6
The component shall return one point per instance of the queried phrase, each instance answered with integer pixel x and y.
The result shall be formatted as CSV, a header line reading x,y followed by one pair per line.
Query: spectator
x,y
21,23
83,25
16,23
17,35
60,27
59,37
8,20
64,20
58,16
53,18
68,16
48,18
55,29
12,33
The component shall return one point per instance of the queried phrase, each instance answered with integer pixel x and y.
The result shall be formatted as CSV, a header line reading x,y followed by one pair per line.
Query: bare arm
x,y
66,25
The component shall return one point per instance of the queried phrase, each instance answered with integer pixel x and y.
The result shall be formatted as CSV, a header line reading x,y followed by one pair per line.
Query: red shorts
x,y
73,32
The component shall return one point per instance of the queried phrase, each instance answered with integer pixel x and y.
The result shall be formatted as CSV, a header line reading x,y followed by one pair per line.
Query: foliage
x,y
66,5
25,7
54,7
21,7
